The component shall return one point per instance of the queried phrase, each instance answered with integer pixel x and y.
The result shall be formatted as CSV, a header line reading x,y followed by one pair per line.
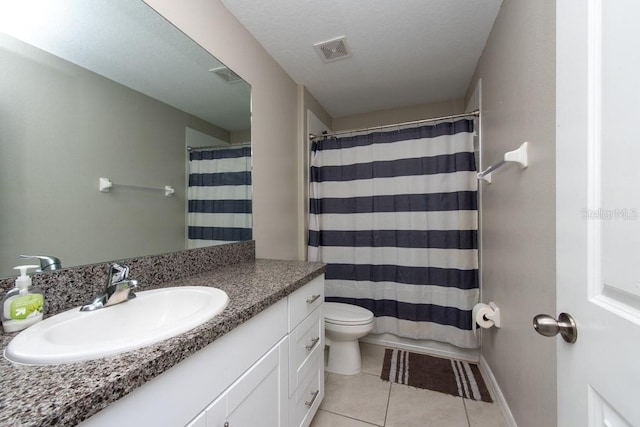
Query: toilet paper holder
x,y
495,316
486,315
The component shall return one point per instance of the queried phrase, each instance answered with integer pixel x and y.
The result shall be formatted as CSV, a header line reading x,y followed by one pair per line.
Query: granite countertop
x,y
65,395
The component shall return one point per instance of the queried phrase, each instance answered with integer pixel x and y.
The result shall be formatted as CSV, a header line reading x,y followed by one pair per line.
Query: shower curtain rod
x,y
414,122
219,147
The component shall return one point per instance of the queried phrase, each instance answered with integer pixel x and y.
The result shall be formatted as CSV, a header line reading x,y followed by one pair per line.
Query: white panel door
x,y
598,206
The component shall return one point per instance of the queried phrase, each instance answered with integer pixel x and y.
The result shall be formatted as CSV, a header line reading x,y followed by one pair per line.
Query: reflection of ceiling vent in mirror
x,y
333,50
226,74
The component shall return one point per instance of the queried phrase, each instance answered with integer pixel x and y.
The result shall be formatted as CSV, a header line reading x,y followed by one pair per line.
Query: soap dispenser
x,y
23,306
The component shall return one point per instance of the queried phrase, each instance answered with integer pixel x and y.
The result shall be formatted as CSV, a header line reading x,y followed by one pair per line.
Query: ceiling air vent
x,y
226,74
333,50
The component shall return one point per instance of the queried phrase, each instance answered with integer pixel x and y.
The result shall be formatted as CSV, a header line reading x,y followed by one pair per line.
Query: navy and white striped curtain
x,y
219,196
394,217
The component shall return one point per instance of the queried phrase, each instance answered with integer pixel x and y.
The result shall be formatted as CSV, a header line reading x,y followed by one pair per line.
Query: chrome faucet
x,y
47,262
117,289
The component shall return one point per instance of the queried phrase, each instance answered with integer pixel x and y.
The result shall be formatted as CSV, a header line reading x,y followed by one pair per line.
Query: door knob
x,y
550,327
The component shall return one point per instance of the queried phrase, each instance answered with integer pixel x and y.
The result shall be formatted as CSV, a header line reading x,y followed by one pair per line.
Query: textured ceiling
x,y
405,52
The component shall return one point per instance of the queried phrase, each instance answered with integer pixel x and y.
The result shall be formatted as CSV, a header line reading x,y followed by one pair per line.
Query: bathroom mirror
x,y
95,89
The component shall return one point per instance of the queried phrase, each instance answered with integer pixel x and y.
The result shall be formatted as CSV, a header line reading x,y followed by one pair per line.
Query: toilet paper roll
x,y
479,312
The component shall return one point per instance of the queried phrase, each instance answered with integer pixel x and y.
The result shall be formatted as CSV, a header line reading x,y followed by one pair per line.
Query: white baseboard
x,y
433,348
496,392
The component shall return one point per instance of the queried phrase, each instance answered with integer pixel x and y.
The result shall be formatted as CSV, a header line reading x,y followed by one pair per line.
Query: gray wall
x,y
62,128
518,215
275,132
398,115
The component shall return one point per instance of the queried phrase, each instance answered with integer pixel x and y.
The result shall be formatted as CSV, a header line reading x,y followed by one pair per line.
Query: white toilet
x,y
344,324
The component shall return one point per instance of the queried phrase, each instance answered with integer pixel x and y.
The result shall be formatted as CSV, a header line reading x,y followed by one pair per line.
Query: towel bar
x,y
518,156
105,185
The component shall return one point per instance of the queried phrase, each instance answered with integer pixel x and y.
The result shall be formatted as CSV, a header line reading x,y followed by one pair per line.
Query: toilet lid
x,y
346,314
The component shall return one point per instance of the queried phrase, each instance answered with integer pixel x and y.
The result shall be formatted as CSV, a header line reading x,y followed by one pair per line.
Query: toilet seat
x,y
346,314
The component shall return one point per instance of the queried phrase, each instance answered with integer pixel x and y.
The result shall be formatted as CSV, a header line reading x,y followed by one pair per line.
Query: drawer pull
x,y
314,341
309,403
313,299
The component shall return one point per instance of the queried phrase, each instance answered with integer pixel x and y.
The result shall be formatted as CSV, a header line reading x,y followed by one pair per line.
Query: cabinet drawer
x,y
306,299
306,343
304,404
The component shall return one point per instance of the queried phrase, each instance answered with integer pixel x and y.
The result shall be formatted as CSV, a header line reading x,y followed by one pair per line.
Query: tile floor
x,y
364,400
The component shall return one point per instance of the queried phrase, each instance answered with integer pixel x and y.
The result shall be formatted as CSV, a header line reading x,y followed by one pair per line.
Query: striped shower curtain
x,y
219,196
394,217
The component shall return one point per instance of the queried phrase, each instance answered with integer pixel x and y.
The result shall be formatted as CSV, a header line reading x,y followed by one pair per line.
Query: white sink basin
x,y
153,316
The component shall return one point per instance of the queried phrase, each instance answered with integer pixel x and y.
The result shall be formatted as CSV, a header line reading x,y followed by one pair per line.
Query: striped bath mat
x,y
433,373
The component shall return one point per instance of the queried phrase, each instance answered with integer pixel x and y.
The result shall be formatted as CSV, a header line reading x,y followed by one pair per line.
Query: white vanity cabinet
x,y
269,371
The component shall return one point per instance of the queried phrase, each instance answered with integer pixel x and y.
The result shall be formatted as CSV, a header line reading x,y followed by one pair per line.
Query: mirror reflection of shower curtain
x,y
219,196
394,217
